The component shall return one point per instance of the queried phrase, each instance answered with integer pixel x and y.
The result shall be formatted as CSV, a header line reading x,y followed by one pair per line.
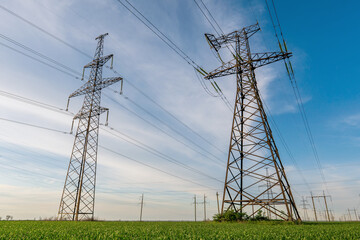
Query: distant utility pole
x,y
204,208
312,199
217,198
141,208
195,206
324,197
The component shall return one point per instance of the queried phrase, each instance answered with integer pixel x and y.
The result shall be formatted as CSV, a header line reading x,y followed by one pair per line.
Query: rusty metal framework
x,y
253,159
78,197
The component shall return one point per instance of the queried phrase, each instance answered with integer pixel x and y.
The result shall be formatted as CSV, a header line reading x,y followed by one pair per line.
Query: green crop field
x,y
176,230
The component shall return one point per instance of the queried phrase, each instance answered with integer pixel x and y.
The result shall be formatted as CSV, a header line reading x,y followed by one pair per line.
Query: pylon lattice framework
x,y
252,147
78,197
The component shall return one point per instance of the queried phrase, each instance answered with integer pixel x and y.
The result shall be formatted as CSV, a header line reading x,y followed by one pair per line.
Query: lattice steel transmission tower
x,y
252,146
78,197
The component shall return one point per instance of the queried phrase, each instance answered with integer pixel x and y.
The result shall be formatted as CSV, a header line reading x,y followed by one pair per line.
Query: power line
x,y
170,127
160,129
207,17
283,142
157,32
35,103
155,168
45,57
173,116
33,125
212,17
296,91
38,54
137,143
38,60
164,38
156,152
132,159
61,65
44,31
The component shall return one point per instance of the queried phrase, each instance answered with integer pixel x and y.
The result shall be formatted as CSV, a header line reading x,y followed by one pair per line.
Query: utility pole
x,y
312,199
326,206
217,198
78,196
327,210
142,205
252,147
195,206
204,208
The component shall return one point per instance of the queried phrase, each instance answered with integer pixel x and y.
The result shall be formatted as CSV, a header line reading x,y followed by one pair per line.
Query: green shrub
x,y
230,216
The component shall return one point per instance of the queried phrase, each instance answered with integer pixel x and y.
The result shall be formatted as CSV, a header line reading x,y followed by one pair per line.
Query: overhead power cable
x,y
67,68
295,88
163,131
170,127
155,152
72,70
155,168
125,137
114,152
212,25
133,10
44,31
286,146
39,54
33,125
40,61
173,116
46,58
158,33
34,102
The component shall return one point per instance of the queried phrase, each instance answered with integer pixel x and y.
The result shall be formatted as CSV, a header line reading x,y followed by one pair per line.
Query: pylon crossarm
x,y
226,69
257,60
98,62
88,87
262,59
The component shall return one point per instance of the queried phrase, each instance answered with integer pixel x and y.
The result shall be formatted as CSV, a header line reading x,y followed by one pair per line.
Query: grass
x,y
176,230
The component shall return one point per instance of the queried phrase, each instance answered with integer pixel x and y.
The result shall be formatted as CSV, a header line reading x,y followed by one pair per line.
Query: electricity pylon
x,y
78,197
252,146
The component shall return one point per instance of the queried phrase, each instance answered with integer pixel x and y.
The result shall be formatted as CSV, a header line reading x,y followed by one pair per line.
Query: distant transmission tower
x,y
252,146
78,197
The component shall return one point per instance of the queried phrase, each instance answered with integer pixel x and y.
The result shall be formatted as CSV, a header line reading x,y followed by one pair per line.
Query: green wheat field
x,y
177,230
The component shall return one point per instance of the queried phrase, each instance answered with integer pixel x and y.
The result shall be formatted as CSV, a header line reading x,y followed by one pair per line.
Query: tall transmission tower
x,y
78,197
252,146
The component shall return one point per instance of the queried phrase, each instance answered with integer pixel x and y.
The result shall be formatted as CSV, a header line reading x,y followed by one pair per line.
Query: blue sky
x,y
321,35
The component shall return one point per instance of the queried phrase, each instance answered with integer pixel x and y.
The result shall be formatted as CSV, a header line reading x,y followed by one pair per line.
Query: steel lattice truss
x,y
78,197
255,177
